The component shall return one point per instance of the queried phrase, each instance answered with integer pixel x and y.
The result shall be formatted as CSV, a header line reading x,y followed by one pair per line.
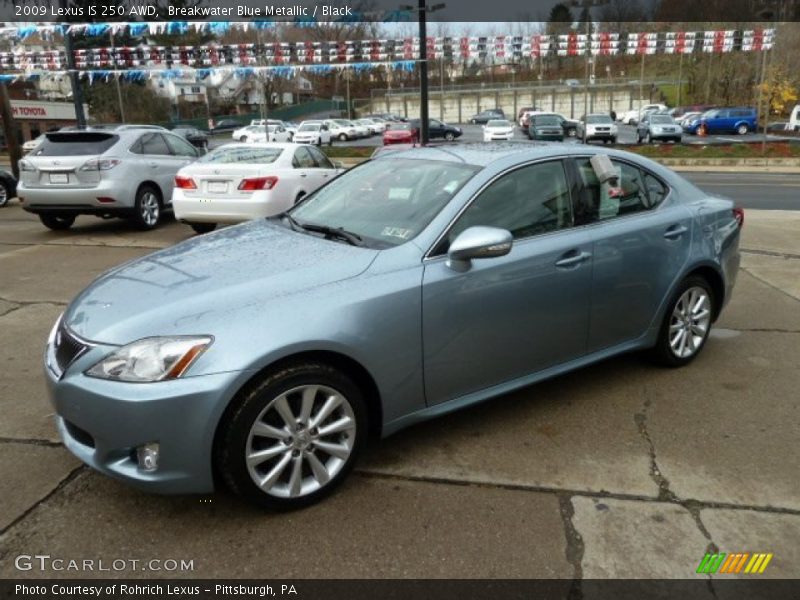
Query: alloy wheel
x,y
689,322
300,441
149,209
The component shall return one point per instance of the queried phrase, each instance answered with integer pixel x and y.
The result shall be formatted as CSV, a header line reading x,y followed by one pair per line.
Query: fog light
x,y
147,457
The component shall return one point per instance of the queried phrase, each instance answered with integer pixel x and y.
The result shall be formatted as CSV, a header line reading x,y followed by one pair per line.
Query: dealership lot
x,y
572,477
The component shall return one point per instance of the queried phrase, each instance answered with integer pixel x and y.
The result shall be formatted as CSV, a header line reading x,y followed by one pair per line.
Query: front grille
x,y
66,348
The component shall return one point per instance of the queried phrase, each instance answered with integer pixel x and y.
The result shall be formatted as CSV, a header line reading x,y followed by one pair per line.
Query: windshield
x,y
385,202
397,126
661,119
498,123
309,127
242,154
598,119
547,120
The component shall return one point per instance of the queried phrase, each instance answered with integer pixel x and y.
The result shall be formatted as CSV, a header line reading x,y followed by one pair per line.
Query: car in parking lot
x,y
569,126
263,356
632,117
498,129
342,129
740,120
485,116
8,187
658,127
127,171
313,132
439,129
238,182
597,126
401,133
224,125
195,137
548,127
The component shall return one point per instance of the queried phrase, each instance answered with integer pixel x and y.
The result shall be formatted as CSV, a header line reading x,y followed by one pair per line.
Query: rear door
x,y
183,153
323,170
157,162
305,168
641,240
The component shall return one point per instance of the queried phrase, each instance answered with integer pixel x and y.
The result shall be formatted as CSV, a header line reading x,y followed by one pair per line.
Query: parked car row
x,y
408,132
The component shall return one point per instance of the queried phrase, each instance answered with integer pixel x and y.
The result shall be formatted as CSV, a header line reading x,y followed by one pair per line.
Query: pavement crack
x,y
72,475
664,493
768,284
24,303
769,253
30,442
574,548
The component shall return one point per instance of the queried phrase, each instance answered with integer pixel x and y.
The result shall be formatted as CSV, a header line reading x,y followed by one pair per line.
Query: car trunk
x,y
220,179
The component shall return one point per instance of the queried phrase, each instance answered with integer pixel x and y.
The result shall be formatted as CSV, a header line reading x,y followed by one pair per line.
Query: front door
x,y
507,317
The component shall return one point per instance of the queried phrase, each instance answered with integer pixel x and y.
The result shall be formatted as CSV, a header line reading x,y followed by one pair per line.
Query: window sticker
x,y
398,232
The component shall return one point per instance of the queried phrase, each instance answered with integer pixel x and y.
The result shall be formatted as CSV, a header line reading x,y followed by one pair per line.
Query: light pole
x,y
422,11
587,5
116,78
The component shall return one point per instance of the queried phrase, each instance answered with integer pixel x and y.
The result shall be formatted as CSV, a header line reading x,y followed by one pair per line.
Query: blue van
x,y
739,120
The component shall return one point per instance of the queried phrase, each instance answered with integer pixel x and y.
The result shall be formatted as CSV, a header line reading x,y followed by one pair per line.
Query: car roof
x,y
484,154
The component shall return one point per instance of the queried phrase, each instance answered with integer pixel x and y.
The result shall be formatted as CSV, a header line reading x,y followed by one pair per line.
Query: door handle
x,y
303,174
675,231
573,258
153,164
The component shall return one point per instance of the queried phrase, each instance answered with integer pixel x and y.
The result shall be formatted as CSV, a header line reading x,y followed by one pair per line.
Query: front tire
x,y
291,438
686,324
449,136
201,228
57,222
5,193
342,138
147,208
243,139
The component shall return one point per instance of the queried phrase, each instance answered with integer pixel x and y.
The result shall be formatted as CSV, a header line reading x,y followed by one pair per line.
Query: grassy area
x,y
773,150
670,91
348,151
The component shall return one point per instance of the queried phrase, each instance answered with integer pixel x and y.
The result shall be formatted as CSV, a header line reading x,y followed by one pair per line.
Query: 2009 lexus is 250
x,y
263,356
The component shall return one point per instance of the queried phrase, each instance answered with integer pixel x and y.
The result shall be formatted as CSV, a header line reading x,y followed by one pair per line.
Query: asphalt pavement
x,y
618,470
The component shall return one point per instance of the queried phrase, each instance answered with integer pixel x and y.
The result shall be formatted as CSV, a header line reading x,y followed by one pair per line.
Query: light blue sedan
x,y
264,355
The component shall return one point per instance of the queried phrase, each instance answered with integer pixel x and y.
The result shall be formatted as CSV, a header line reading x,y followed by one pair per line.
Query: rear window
x,y
83,143
547,120
243,155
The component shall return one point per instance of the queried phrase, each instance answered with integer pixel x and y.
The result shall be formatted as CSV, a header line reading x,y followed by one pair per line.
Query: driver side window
x,y
528,201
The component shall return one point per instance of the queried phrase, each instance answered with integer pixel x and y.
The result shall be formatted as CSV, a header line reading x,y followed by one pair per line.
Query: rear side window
x,y
321,160
75,144
150,143
180,147
636,191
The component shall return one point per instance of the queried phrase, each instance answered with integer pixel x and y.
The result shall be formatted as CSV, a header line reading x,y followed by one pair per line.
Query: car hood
x,y
193,287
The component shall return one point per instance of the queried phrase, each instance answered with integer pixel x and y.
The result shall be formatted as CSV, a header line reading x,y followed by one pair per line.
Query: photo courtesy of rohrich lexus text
x,y
357,299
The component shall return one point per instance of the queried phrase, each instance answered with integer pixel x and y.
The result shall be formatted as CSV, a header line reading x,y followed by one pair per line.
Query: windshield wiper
x,y
330,232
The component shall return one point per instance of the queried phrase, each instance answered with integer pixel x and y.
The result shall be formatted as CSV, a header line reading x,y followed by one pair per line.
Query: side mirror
x,y
338,164
478,242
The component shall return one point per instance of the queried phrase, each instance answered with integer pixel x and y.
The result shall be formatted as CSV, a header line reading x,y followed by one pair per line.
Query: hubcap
x,y
300,441
689,323
149,208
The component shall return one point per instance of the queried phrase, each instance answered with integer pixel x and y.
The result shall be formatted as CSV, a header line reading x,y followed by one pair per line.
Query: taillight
x,y
24,165
738,214
185,183
100,164
251,184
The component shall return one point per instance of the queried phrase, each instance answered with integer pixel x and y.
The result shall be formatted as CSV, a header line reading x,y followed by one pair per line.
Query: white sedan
x,y
498,129
239,182
262,133
313,132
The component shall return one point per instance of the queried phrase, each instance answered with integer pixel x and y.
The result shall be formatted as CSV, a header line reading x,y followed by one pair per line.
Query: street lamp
x,y
422,11
588,4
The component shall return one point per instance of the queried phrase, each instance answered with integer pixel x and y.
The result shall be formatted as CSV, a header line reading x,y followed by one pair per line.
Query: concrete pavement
x,y
584,475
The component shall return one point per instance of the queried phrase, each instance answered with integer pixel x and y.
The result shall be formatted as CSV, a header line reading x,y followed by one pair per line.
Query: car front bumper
x,y
103,422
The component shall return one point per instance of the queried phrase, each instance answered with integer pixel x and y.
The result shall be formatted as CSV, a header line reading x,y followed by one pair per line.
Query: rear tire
x,y
201,228
689,313
449,136
57,222
147,208
243,139
342,138
742,129
271,447
5,193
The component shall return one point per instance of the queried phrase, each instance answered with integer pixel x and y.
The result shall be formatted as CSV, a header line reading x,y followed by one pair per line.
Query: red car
x,y
400,133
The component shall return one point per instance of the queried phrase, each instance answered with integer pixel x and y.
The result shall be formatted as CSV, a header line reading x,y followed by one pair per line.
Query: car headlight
x,y
151,359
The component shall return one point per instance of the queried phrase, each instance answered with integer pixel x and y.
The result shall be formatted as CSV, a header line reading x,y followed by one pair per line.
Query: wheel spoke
x,y
343,424
331,404
702,315
318,469
682,344
309,395
267,482
296,479
699,330
337,450
284,410
698,304
258,457
261,429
